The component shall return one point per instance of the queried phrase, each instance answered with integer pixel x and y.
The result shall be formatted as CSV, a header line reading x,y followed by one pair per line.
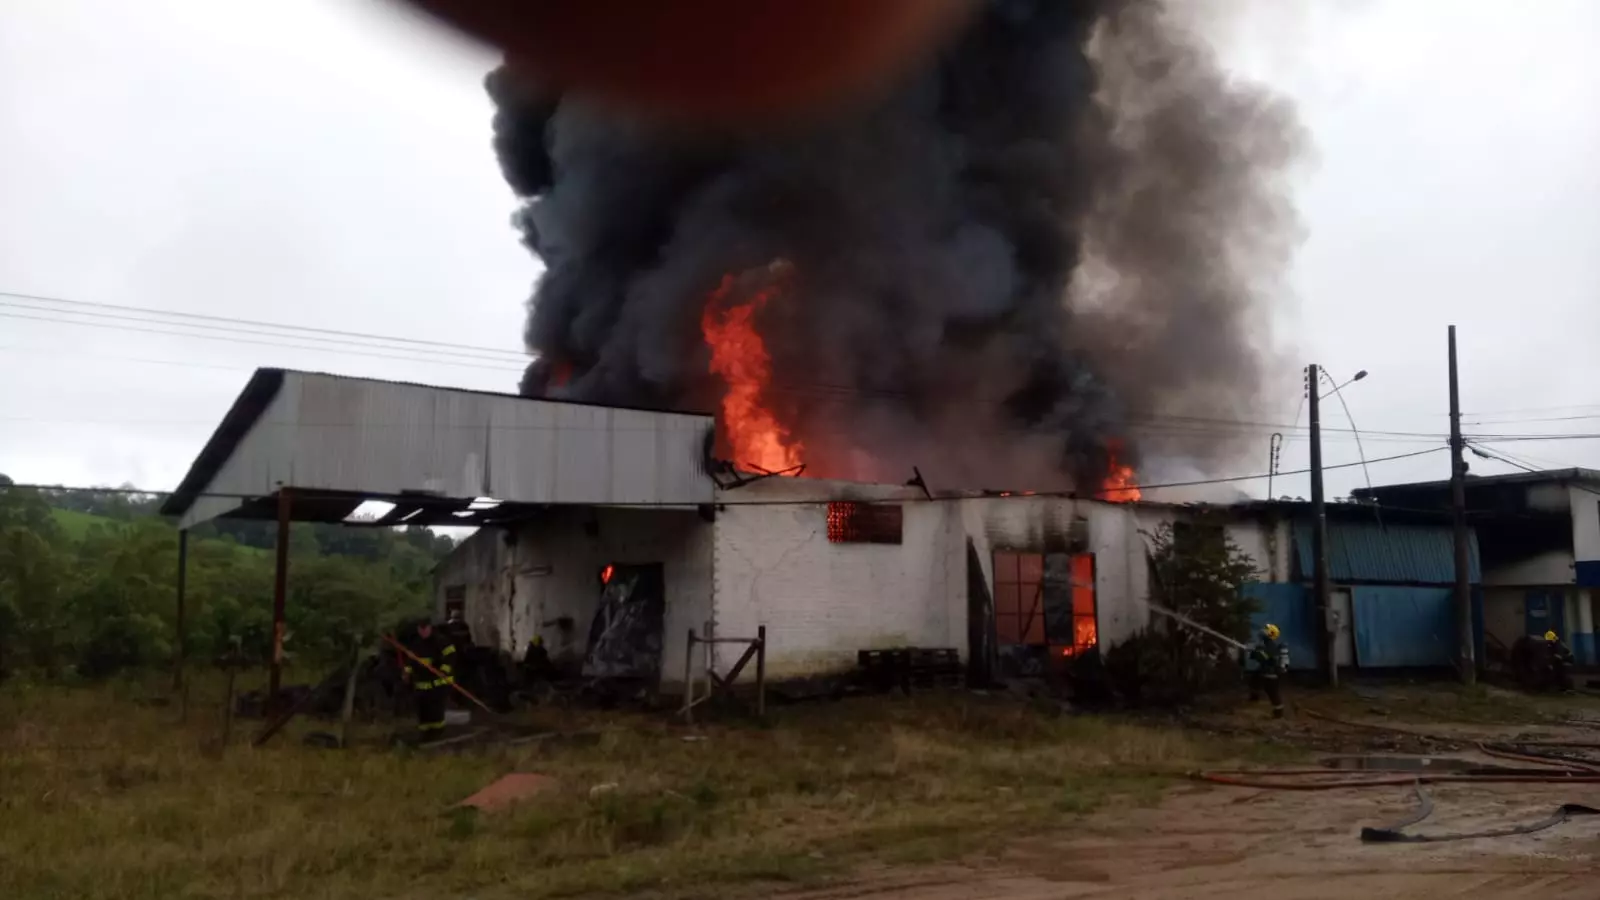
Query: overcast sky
x,y
326,163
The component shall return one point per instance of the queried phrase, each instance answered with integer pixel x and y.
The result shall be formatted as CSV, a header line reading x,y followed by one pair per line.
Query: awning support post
x,y
181,625
280,590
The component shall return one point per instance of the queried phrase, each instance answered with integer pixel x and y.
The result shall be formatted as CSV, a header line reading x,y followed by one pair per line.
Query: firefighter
x,y
456,630
1266,663
1560,661
429,689
536,665
458,635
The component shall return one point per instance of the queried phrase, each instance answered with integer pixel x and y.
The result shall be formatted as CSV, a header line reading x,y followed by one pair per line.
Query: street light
x,y
1319,531
1338,391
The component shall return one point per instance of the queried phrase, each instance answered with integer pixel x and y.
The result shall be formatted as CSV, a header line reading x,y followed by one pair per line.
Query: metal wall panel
x,y
1404,627
1367,551
1287,606
326,432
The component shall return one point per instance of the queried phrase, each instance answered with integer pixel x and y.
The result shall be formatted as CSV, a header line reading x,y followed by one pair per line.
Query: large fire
x,y
1120,484
753,436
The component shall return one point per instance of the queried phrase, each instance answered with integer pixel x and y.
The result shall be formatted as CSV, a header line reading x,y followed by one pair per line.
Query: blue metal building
x,y
1541,551
1391,583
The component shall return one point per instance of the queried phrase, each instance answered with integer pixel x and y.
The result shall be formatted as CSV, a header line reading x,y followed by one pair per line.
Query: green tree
x,y
32,577
105,600
1197,571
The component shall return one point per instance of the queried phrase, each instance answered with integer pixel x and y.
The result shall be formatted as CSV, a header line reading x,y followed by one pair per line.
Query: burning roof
x,y
1069,224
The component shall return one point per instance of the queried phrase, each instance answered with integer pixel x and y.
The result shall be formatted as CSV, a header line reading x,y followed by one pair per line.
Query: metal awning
x,y
439,455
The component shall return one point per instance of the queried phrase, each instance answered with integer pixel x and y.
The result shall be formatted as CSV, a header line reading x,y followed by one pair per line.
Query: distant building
x,y
1391,576
1540,533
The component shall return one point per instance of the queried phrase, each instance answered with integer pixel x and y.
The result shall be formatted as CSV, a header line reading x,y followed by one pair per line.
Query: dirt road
x,y
1277,845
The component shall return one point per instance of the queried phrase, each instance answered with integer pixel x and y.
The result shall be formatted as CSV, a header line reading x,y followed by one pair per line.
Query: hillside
x,y
74,524
93,574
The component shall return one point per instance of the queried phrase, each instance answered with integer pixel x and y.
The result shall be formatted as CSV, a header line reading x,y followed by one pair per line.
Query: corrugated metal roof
x,y
1473,481
1394,554
363,436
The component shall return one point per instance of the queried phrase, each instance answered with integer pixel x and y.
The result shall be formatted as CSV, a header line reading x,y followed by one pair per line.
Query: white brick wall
x,y
820,601
1032,523
773,565
552,569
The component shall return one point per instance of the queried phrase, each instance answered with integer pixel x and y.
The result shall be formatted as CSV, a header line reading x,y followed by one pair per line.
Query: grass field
x,y
76,524
107,798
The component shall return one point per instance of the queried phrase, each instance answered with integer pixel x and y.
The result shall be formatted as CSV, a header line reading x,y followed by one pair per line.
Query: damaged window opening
x,y
864,523
1045,600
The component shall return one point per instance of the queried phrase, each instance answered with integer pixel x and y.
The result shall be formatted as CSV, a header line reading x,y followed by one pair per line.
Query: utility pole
x,y
1458,509
1319,535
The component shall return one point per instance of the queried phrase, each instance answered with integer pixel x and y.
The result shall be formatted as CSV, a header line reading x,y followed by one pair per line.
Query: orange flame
x,y
605,574
754,436
1120,484
1084,634
560,374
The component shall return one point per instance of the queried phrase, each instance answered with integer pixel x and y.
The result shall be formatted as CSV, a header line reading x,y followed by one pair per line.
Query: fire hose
x,y
438,674
1572,770
1185,620
1394,834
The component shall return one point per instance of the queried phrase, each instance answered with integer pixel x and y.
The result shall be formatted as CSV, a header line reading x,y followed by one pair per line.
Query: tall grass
x,y
101,797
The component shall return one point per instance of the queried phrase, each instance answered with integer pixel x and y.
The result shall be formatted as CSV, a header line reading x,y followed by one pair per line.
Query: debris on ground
x,y
322,740
507,790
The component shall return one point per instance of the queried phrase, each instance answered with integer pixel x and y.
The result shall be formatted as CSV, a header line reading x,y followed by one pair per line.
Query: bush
x,y
1199,573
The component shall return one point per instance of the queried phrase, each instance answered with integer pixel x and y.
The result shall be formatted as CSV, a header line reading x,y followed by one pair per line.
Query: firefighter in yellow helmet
x,y
1266,663
1560,661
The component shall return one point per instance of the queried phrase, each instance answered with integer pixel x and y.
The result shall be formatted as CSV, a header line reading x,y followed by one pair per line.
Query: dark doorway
x,y
625,637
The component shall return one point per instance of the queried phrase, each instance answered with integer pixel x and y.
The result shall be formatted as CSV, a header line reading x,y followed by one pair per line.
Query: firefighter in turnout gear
x,y
429,690
1560,661
1266,663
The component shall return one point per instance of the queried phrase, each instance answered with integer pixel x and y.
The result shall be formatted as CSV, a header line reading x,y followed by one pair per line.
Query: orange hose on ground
x,y
1251,779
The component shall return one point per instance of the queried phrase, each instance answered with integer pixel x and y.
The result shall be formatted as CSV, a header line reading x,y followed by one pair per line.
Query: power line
x,y
470,352
5,348
253,332
40,298
280,344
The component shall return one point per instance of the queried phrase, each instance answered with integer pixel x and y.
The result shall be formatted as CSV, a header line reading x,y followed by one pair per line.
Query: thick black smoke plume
x,y
1056,243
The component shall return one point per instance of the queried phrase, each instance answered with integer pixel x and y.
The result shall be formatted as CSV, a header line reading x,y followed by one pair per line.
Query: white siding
x,y
1585,523
1268,544
551,571
1550,568
481,568
820,601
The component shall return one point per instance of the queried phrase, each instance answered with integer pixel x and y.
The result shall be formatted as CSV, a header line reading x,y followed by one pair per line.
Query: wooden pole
x,y
227,711
181,628
761,672
1319,535
688,679
280,590
350,696
1458,509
